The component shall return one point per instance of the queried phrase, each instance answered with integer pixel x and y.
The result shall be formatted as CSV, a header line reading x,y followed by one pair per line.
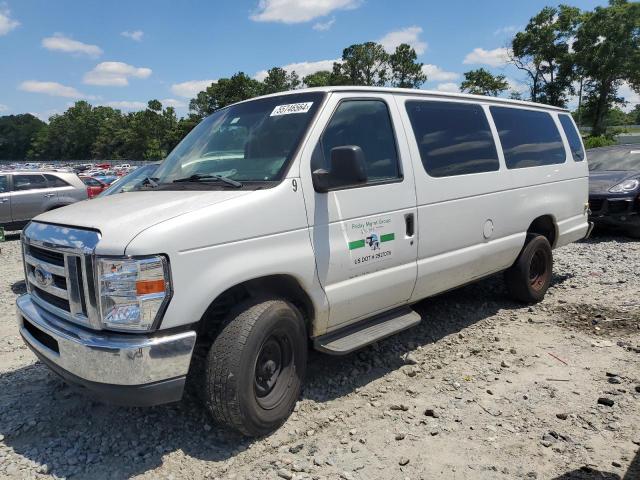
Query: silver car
x,y
25,194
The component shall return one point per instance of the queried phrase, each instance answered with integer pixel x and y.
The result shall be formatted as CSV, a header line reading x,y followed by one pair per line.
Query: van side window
x,y
4,184
367,124
529,138
575,144
28,182
453,138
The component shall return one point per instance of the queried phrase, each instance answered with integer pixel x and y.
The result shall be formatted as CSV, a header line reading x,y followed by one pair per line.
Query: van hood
x,y
119,218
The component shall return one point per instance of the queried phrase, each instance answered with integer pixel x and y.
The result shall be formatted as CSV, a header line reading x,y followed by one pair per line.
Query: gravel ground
x,y
482,388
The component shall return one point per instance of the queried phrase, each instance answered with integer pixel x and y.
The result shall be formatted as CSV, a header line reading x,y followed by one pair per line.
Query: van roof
x,y
422,93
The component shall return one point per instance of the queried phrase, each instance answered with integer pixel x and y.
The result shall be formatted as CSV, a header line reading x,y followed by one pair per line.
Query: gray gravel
x,y
482,388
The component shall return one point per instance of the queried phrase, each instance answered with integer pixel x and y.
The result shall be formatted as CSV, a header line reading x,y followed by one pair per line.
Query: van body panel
x,y
230,244
473,225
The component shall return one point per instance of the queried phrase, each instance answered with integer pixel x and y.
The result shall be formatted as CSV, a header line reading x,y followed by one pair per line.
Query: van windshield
x,y
248,142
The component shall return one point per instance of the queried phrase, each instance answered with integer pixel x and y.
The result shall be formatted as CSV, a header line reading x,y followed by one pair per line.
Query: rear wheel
x,y
255,367
528,279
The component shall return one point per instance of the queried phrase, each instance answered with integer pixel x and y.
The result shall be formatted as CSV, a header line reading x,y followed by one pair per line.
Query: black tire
x,y
255,368
528,279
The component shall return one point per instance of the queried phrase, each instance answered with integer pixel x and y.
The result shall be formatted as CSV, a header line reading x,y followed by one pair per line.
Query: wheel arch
x,y
284,286
546,226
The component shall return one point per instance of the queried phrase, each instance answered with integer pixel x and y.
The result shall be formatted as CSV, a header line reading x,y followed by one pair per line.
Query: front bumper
x,y
125,369
615,211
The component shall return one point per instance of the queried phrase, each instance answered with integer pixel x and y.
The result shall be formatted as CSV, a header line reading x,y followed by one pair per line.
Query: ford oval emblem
x,y
42,276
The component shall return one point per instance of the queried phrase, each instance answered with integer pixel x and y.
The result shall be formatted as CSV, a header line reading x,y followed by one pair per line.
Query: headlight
x,y
132,291
626,186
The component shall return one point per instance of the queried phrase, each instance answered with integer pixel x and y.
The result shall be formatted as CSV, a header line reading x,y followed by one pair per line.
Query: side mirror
x,y
348,169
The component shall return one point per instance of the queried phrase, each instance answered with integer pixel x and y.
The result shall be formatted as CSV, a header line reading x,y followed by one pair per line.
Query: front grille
x,y
595,204
47,256
59,271
57,302
44,338
618,206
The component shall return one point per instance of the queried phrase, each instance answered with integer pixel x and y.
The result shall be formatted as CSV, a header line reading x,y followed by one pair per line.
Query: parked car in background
x,y
107,178
132,180
94,186
614,187
25,194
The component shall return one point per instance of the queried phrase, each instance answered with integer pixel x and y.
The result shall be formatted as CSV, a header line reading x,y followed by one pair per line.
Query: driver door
x,y
364,237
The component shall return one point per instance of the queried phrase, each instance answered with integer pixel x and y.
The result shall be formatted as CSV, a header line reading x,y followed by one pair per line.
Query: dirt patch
x,y
600,320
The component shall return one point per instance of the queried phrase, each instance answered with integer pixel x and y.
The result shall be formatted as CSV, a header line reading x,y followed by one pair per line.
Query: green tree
x,y
543,52
150,134
279,80
362,64
607,53
406,72
634,116
318,79
616,117
68,136
481,82
16,134
109,141
225,92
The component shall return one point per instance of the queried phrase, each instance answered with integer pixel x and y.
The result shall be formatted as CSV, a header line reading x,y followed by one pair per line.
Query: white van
x,y
311,218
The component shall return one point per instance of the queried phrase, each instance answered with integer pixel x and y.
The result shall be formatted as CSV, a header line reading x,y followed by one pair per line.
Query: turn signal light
x,y
145,287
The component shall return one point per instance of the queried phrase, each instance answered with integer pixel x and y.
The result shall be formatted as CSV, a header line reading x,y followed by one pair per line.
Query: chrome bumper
x,y
98,360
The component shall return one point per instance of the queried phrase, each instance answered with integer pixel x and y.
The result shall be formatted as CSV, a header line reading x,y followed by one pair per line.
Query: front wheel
x,y
255,367
528,279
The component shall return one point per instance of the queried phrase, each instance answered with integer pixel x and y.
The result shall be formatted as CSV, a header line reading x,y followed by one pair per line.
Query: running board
x,y
363,333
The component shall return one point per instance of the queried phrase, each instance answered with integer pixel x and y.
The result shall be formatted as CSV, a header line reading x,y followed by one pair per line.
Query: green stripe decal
x,y
387,237
356,244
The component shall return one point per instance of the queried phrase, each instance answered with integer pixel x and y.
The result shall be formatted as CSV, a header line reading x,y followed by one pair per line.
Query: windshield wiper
x,y
147,182
207,178
151,181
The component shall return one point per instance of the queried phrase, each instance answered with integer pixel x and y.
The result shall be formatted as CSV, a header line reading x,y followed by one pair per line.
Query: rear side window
x,y
29,182
91,182
575,144
367,124
56,182
4,184
453,138
529,138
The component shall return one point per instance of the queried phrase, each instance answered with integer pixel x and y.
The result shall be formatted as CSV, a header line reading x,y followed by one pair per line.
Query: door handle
x,y
49,195
409,224
4,200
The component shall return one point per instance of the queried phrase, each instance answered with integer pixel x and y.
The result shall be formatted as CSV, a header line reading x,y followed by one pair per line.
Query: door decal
x,y
370,241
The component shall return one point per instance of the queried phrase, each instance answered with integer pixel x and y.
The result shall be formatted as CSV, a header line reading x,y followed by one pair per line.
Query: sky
x,y
124,53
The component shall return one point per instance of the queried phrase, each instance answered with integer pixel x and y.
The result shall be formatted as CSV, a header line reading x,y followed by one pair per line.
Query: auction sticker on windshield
x,y
291,108
370,241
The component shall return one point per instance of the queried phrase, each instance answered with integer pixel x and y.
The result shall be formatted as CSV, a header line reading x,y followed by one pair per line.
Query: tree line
x,y
562,52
